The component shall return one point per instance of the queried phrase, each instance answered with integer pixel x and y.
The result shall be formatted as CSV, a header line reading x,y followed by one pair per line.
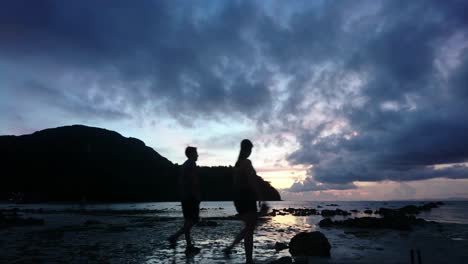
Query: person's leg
x,y
173,239
188,224
190,249
192,219
193,215
236,241
248,237
249,220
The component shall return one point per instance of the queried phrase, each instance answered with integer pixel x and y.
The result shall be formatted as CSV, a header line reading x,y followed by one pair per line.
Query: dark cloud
x,y
373,90
410,118
197,62
310,185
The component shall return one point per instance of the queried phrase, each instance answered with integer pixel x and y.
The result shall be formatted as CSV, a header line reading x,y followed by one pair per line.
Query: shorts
x,y
191,209
245,206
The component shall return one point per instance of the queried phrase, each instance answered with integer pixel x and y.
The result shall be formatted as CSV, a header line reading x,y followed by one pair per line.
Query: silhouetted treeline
x,y
79,163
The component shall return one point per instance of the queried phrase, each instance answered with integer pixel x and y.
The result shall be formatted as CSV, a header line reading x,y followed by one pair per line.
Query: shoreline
x,y
140,238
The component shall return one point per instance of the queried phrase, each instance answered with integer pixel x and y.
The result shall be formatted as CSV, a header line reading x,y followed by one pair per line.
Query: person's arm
x,y
196,187
252,179
180,182
195,182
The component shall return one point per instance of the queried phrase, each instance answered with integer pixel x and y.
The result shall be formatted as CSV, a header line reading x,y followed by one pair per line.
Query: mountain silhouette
x,y
77,162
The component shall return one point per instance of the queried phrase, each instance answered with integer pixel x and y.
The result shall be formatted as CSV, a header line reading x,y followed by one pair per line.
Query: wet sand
x,y
141,238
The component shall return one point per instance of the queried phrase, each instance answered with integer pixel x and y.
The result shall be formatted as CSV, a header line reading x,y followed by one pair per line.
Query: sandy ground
x,y
65,238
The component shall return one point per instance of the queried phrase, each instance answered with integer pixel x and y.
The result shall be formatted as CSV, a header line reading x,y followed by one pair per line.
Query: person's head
x,y
191,153
246,149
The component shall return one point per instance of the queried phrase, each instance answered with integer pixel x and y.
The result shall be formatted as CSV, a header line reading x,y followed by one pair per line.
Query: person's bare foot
x,y
192,250
227,251
172,241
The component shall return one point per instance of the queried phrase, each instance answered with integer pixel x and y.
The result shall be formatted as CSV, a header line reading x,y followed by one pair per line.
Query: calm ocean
x,y
451,212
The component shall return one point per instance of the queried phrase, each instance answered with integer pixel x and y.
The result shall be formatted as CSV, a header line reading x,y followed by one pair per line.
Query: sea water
x,y
451,212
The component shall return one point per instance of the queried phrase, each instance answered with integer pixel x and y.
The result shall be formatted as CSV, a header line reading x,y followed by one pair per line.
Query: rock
x,y
363,222
428,206
355,211
309,244
419,221
386,211
271,214
327,222
280,246
407,210
368,211
304,212
342,212
318,206
283,260
400,222
410,209
329,213
332,205
299,211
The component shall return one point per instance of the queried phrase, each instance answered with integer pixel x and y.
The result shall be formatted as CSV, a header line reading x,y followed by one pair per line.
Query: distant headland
x,y
89,164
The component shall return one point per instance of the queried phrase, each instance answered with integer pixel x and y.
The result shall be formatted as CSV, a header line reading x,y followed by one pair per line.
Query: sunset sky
x,y
343,100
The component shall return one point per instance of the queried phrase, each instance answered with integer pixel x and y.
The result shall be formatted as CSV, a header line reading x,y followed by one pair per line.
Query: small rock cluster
x,y
293,211
11,218
400,219
329,213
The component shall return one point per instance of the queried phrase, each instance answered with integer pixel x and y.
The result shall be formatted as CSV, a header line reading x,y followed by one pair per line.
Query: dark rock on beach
x,y
280,246
283,260
400,222
407,210
295,211
327,222
399,219
309,244
329,213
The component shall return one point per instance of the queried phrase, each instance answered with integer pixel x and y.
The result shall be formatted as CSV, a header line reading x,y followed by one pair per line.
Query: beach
x,y
136,233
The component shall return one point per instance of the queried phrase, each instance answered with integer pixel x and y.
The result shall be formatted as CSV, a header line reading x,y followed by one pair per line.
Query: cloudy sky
x,y
344,100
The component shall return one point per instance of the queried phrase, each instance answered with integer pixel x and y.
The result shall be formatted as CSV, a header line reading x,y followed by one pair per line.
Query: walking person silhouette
x,y
189,188
246,194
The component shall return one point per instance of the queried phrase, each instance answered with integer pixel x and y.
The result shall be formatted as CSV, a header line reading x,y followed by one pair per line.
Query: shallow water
x,y
452,212
140,238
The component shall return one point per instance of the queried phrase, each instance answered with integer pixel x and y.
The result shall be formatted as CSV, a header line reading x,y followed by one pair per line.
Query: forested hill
x,y
75,162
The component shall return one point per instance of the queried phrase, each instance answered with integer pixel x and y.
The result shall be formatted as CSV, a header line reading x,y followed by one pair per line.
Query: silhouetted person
x,y
246,194
190,199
